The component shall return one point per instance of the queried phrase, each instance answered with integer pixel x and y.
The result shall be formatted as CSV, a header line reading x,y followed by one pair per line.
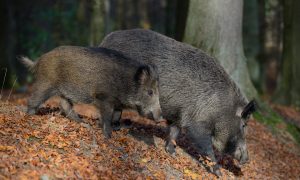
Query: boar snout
x,y
244,158
241,154
157,115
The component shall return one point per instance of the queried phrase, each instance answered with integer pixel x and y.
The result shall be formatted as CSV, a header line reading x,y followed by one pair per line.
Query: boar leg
x,y
116,125
202,138
106,111
106,118
67,108
171,142
40,95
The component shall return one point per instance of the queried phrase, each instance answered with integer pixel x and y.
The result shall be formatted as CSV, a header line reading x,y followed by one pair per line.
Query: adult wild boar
x,y
99,76
195,92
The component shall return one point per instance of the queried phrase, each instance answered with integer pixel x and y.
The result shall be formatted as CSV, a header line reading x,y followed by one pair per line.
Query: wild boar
x,y
98,76
195,92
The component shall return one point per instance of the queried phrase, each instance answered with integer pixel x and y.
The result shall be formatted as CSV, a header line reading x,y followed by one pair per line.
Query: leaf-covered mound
x,y
51,146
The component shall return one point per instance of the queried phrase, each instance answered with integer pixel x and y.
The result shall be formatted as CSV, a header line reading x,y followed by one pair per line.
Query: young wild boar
x,y
195,92
98,76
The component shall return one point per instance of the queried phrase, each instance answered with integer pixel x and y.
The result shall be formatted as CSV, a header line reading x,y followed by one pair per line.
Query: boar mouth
x,y
142,113
150,115
242,156
242,162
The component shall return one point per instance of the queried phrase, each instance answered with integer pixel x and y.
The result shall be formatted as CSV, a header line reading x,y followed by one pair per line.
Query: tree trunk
x,y
157,15
97,22
289,84
216,27
271,42
181,17
5,46
251,39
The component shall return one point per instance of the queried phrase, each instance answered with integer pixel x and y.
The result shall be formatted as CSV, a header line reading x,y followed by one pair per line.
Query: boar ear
x,y
249,109
142,74
154,72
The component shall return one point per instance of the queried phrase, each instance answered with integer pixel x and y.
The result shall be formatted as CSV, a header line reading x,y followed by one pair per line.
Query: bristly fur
x,y
196,92
27,62
98,76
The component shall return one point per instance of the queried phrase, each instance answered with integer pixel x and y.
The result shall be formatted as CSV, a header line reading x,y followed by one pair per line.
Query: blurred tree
x,y
97,22
126,14
34,27
171,11
271,25
5,69
251,41
157,15
181,16
11,33
164,16
10,44
289,84
216,27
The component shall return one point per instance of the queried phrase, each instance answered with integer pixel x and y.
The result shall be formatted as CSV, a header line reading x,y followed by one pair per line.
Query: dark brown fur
x,y
98,76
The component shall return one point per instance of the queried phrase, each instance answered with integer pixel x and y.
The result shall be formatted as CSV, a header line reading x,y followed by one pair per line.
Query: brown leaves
x,y
54,147
7,148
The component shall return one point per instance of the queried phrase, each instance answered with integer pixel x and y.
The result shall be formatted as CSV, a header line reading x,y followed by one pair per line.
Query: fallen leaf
x,y
7,148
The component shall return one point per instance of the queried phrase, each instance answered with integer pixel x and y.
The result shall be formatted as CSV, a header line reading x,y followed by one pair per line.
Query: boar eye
x,y
150,92
244,125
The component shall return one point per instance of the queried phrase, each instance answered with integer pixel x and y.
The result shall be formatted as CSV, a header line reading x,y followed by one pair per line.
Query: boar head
x,y
147,95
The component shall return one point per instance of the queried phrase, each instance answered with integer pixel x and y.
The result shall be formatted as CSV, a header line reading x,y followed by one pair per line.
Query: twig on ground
x,y
11,90
3,82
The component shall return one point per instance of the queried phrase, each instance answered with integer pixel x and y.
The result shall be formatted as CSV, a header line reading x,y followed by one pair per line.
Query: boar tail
x,y
28,63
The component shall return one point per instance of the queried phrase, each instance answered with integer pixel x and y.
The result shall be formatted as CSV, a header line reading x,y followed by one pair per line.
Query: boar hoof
x,y
216,171
116,126
107,133
170,148
31,111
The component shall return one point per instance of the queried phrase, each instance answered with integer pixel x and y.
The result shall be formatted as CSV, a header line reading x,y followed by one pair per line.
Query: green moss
x,y
272,119
294,131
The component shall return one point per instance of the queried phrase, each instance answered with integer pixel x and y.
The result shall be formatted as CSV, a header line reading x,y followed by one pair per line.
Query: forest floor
x,y
50,146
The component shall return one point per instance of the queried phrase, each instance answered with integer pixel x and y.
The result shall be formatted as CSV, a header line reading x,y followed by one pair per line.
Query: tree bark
x,y
271,42
157,15
5,45
289,84
181,18
216,27
97,22
251,39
